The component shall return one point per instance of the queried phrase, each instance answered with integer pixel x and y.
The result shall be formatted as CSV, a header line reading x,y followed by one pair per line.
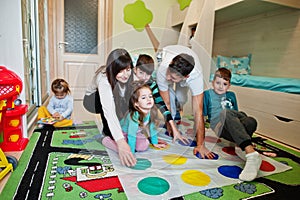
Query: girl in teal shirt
x,y
139,126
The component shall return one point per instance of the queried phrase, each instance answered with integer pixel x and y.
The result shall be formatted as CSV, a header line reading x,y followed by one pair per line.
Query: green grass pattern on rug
x,y
68,138
290,177
54,178
13,181
284,148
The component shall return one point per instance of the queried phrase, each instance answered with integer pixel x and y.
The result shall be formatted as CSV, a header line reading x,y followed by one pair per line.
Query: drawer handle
x,y
283,119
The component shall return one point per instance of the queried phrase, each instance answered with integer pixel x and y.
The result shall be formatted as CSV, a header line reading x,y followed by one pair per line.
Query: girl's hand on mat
x,y
160,146
125,154
160,141
204,152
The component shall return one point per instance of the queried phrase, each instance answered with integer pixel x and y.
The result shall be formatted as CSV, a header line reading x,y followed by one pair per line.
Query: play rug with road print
x,y
70,163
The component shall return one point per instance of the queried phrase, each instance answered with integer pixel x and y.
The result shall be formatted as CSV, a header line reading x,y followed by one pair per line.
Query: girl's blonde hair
x,y
60,86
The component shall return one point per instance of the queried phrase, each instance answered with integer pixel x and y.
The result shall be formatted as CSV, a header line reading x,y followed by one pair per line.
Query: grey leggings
x,y
237,127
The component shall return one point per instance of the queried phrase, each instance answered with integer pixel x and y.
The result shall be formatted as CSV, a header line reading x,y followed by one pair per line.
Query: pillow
x,y
237,65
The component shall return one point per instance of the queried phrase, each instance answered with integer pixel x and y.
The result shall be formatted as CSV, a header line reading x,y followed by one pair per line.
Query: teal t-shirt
x,y
214,103
130,126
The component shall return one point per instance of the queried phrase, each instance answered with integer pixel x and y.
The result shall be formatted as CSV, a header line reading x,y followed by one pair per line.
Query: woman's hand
x,y
204,152
125,154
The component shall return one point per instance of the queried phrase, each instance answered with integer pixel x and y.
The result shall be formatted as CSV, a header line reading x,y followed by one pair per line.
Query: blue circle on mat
x,y
191,143
230,171
198,155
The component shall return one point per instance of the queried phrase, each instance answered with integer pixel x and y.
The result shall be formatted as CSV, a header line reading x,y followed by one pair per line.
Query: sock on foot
x,y
253,162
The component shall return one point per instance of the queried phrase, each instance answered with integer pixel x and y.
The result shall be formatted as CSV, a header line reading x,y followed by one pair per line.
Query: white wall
x,y
11,48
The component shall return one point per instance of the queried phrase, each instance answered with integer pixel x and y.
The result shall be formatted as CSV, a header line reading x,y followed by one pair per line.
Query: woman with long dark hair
x,y
108,94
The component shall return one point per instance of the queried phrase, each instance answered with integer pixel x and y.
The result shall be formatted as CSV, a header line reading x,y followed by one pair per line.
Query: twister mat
x,y
70,163
175,171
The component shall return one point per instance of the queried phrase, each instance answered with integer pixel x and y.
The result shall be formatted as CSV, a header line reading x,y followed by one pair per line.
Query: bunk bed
x,y
273,101
270,89
276,107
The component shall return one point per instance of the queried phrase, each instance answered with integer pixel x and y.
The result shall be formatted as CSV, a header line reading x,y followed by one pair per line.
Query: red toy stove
x,y
11,111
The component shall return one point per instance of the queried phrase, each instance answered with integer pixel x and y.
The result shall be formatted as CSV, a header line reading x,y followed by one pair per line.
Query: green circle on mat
x,y
153,186
142,164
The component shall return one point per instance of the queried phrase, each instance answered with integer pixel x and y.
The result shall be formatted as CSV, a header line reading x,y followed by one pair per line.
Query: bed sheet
x,y
288,85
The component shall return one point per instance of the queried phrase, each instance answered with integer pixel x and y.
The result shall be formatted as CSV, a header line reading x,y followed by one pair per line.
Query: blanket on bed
x,y
288,85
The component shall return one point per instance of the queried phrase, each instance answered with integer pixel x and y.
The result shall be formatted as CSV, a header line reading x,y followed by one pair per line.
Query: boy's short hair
x,y
145,63
223,73
182,64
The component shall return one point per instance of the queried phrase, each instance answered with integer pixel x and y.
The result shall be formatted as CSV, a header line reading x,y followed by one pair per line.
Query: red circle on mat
x,y
184,123
190,131
229,150
266,166
212,139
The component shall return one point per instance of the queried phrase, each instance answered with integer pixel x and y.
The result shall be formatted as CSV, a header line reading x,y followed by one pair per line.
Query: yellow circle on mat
x,y
195,178
174,159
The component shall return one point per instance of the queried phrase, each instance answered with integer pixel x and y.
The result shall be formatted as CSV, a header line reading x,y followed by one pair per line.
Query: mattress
x,y
288,85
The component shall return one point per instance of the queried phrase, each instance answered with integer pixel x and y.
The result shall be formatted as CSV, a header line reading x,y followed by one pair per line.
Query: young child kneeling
x,y
138,125
220,106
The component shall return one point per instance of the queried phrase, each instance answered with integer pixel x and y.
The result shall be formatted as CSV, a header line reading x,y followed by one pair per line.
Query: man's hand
x,y
204,152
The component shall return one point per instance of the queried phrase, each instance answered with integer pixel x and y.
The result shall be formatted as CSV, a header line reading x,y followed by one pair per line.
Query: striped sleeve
x,y
159,102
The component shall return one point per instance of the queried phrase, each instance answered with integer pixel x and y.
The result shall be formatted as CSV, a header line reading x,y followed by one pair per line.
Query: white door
x,y
82,27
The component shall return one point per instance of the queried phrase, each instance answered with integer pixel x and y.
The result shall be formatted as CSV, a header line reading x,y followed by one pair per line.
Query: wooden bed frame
x,y
277,113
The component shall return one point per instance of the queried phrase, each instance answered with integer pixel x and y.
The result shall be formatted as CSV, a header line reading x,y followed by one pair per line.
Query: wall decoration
x,y
137,15
184,3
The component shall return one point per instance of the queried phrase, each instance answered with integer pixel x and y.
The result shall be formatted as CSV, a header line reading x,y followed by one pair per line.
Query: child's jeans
x,y
178,98
237,127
